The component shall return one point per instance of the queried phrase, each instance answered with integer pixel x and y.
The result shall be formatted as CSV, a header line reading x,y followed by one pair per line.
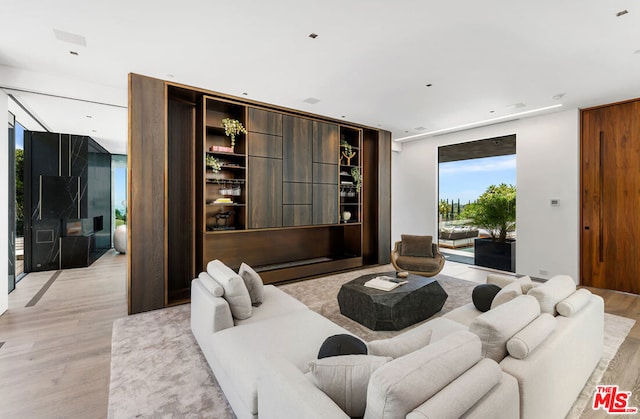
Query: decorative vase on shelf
x,y
346,216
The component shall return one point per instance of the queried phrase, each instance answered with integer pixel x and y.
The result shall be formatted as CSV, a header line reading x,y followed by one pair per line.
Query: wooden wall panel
x,y
326,141
265,145
297,193
147,233
265,122
296,215
383,217
297,141
265,192
325,204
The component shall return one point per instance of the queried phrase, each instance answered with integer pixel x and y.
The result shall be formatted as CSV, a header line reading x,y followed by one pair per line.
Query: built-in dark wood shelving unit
x,y
287,185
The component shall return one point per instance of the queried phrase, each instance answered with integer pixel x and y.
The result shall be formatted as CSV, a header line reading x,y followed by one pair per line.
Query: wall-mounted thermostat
x,y
555,202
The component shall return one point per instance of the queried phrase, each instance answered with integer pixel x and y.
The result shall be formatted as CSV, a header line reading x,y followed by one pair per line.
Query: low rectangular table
x,y
417,300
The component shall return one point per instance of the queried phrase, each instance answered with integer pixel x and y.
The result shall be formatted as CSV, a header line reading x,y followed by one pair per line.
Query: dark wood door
x,y
610,183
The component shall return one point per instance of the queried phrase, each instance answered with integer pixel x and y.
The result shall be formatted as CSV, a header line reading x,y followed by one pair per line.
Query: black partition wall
x,y
67,201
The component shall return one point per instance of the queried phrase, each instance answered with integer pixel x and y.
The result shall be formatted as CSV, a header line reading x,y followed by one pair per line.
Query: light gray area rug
x,y
158,370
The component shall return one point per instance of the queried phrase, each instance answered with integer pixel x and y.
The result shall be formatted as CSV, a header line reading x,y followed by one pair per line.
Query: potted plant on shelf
x,y
357,178
233,127
494,211
213,163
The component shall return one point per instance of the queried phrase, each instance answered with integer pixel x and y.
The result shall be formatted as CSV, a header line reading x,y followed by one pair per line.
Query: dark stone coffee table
x,y
403,306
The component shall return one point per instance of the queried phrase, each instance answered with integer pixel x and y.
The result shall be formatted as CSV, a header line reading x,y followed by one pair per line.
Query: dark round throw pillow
x,y
342,345
483,296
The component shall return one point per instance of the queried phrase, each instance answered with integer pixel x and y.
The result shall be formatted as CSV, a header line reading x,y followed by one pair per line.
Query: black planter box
x,y
495,254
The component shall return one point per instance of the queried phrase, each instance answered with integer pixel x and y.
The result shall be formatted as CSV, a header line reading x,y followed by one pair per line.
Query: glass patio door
x,y
12,203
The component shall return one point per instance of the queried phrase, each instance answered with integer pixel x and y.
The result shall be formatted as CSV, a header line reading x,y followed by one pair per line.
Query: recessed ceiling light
x,y
89,116
491,111
93,130
559,96
420,128
344,116
311,100
73,53
245,93
622,12
313,35
516,105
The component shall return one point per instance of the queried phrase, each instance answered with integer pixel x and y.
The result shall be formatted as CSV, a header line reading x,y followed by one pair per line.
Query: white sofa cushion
x,y
506,294
464,314
345,379
235,292
253,282
398,387
497,326
528,339
235,354
503,280
211,284
500,280
455,399
573,303
401,344
276,303
552,292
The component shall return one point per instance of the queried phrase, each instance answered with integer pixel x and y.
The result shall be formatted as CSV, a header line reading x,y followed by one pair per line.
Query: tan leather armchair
x,y
414,259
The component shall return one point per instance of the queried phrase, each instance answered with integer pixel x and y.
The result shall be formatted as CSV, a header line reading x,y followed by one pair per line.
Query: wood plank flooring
x,y
55,355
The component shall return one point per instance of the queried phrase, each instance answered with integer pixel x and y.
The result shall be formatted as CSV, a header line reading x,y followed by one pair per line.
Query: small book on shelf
x,y
384,283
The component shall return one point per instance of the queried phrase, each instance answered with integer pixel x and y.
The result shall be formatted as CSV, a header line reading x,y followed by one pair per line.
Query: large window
x,y
466,170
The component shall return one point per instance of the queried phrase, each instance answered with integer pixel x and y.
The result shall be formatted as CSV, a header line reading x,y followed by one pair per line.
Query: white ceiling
x,y
370,63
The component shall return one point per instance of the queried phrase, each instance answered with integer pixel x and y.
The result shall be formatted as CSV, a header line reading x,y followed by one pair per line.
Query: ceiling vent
x,y
311,100
69,37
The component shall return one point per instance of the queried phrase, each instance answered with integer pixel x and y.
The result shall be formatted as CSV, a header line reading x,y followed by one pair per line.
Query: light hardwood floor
x,y
55,354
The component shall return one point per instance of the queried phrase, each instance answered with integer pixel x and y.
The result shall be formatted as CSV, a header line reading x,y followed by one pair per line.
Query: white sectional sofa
x,y
236,349
546,345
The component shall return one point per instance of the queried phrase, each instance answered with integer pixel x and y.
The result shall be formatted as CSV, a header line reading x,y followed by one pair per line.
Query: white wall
x,y
4,204
547,159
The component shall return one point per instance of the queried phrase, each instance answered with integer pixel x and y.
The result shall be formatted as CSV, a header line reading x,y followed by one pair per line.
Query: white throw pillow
x,y
528,339
573,303
506,294
396,388
345,379
211,284
552,292
526,283
400,345
235,292
497,326
253,282
500,280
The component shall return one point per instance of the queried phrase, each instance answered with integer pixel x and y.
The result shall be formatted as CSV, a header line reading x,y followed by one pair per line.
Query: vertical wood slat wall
x,y
166,182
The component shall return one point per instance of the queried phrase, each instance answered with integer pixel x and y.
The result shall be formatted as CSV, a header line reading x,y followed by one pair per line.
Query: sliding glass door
x,y
12,200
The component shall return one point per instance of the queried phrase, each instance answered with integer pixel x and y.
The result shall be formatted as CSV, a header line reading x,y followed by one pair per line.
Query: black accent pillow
x,y
483,296
342,345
